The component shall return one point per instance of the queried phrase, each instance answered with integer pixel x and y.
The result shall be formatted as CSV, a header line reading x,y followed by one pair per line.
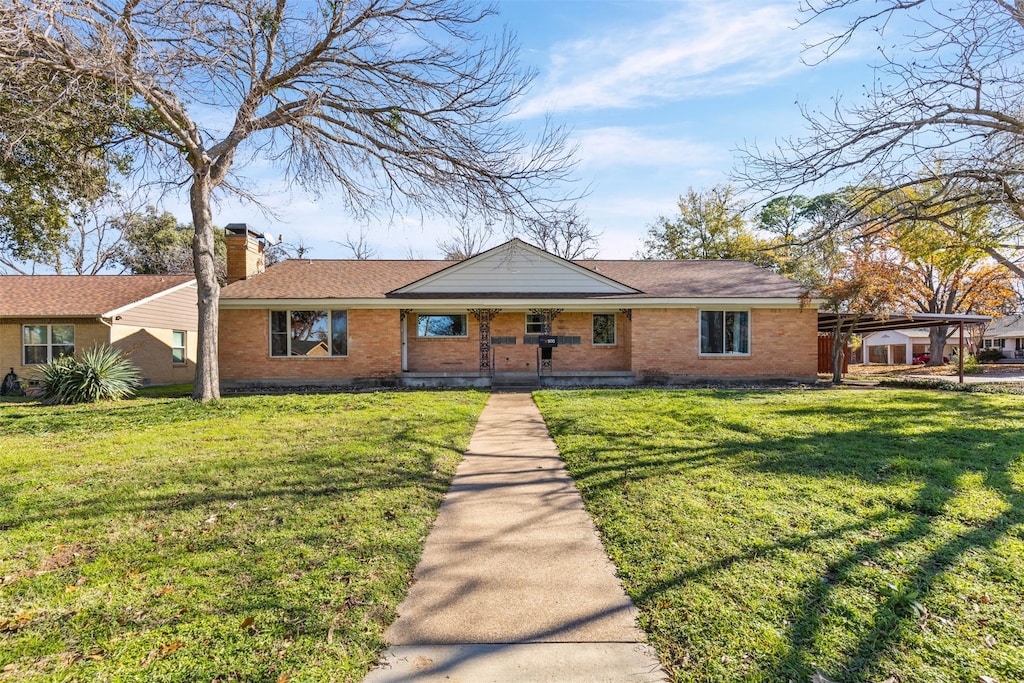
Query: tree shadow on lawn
x,y
305,473
919,452
306,540
983,452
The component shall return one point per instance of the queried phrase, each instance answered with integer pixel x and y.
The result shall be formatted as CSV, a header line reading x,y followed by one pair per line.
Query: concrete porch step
x,y
515,381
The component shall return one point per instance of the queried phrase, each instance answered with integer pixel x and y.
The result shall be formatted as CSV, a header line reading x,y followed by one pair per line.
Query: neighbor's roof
x,y
373,279
1007,326
79,295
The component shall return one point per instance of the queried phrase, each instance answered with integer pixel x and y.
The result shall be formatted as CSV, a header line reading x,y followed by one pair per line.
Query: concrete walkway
x,y
514,584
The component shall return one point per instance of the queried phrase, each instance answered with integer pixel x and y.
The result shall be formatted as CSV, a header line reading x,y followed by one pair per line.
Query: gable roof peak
x,y
515,266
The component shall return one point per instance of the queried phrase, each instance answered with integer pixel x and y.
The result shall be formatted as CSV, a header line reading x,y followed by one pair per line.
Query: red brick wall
x,y
783,343
440,354
374,349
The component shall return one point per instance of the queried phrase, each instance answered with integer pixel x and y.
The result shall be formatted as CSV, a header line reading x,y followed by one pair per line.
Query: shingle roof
x,y
355,279
698,279
1007,326
78,295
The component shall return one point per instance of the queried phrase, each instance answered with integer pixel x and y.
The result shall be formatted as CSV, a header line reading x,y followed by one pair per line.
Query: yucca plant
x,y
54,378
101,373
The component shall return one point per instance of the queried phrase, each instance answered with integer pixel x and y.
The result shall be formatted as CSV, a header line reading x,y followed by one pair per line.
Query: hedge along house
x,y
152,318
487,320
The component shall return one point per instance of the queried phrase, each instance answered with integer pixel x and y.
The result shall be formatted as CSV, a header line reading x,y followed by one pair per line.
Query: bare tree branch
x,y
943,112
391,104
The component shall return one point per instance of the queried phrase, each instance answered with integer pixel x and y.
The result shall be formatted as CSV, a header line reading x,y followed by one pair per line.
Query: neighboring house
x,y
486,319
899,347
1006,334
152,318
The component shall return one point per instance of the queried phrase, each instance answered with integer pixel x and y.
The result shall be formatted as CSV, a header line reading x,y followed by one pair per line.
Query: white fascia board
x,y
520,303
151,297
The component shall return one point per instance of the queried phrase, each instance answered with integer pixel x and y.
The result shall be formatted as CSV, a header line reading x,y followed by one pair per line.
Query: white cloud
x,y
617,146
700,49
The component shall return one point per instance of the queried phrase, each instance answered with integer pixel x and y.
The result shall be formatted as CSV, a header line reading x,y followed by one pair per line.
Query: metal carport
x,y
862,323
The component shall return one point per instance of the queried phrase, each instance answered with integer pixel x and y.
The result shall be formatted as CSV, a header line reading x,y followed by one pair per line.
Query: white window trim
x,y
183,347
438,315
289,356
49,341
526,324
615,331
726,354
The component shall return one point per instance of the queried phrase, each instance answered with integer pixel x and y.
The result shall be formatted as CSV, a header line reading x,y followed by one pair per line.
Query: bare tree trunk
x,y
937,344
207,380
838,351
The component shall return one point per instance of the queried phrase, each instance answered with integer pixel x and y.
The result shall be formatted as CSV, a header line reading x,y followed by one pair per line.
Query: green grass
x,y
775,535
263,538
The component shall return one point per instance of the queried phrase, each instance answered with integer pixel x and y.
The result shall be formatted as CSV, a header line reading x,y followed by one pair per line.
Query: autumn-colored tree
x,y
947,268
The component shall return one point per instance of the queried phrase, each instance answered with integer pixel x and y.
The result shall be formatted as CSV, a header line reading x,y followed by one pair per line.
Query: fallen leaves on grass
x,y
19,621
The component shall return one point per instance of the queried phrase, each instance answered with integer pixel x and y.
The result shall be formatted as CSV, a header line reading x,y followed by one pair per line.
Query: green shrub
x,y
101,373
989,355
971,365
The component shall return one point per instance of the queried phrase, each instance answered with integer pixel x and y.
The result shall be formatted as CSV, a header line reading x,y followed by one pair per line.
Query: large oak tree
x,y
393,104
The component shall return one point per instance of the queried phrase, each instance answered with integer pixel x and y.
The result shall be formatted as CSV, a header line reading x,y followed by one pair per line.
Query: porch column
x,y
404,314
484,316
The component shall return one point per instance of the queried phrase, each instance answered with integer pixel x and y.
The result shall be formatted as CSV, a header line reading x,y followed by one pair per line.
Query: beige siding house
x,y
153,318
512,315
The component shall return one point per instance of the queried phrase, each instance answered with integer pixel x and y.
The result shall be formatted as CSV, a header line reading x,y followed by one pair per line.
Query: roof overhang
x,y
876,323
451,304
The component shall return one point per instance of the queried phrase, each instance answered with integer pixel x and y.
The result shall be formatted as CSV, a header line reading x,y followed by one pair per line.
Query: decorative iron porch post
x,y
484,316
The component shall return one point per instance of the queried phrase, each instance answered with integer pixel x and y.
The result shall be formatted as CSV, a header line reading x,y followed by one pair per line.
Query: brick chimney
x,y
245,251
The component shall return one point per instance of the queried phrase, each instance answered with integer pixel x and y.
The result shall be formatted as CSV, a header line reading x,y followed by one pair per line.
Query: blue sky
x,y
659,96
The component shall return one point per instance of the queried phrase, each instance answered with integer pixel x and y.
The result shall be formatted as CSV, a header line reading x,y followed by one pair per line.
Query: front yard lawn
x,y
264,538
782,535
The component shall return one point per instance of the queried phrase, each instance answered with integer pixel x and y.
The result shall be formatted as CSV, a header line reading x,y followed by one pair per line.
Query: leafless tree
x,y
465,241
396,103
944,108
360,246
281,250
566,233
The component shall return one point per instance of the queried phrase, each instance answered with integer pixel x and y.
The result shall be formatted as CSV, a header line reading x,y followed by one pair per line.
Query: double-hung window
x,y
725,332
178,354
309,333
44,343
604,329
441,325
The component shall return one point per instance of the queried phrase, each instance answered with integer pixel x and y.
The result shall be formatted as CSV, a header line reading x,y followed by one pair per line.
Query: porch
x,y
472,347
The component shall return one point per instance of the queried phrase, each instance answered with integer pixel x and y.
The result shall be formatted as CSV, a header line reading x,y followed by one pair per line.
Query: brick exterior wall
x,y
655,344
374,349
87,333
440,354
150,349
783,344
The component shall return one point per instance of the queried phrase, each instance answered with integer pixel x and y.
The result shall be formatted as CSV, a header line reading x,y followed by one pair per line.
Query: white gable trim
x,y
472,275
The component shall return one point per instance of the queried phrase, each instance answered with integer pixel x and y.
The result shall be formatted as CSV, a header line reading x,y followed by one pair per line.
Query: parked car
x,y
924,358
